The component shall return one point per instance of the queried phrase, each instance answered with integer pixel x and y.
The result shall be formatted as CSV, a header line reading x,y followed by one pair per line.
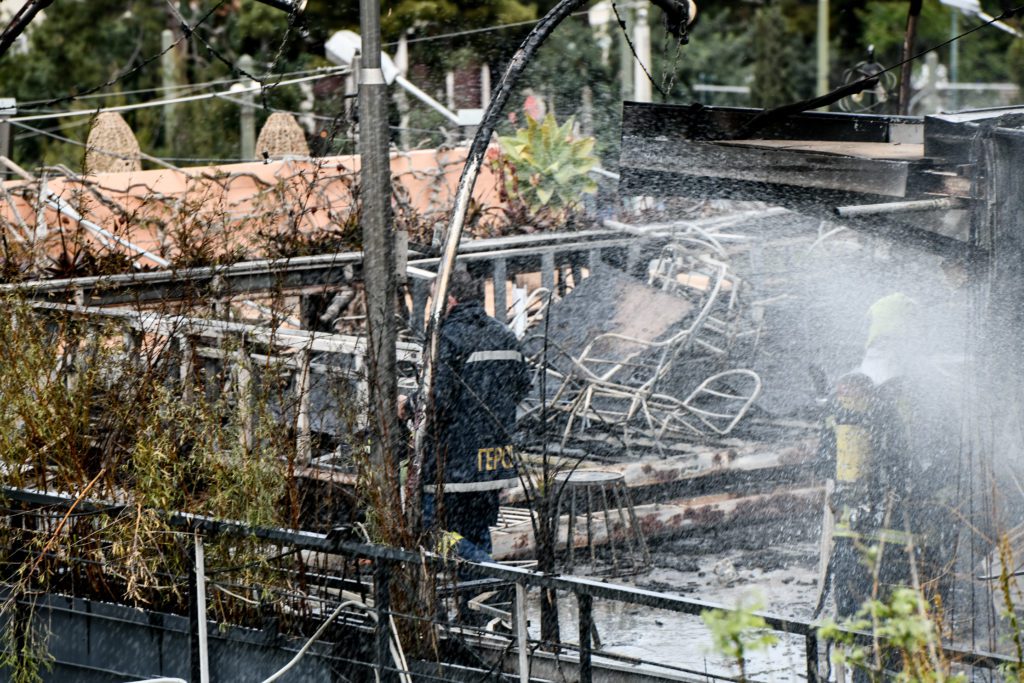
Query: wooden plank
x,y
860,150
668,519
709,462
768,166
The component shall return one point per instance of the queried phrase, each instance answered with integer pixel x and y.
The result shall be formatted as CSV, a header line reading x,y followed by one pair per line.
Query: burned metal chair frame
x,y
728,320
630,383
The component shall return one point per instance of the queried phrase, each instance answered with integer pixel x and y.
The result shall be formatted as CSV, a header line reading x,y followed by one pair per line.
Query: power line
x,y
71,141
117,155
768,115
235,68
210,48
325,73
179,86
187,31
625,34
1007,14
473,31
65,126
100,150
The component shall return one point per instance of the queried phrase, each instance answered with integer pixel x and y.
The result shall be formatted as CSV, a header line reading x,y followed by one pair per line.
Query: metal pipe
x,y
378,251
54,202
204,648
811,654
642,65
247,115
907,62
898,207
822,47
427,99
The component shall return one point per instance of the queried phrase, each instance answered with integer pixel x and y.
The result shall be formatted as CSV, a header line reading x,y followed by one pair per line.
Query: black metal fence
x,y
514,652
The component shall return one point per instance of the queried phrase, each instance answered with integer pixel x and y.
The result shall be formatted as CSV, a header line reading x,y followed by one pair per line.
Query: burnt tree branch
x,y
20,21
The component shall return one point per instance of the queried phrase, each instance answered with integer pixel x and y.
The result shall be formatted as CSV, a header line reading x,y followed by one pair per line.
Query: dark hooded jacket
x,y
481,377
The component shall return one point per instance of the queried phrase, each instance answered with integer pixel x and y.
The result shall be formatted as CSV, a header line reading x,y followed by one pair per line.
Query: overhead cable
x,y
326,73
472,31
165,88
187,31
106,152
766,116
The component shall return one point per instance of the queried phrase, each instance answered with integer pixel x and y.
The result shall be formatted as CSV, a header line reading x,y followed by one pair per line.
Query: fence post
x,y
420,292
547,270
811,650
187,368
382,631
199,661
500,278
303,427
244,399
132,340
632,256
522,641
586,608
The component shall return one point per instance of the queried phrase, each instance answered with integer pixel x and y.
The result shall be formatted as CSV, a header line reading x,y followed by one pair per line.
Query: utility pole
x,y
642,42
908,50
8,107
822,40
168,76
247,117
378,257
952,102
625,55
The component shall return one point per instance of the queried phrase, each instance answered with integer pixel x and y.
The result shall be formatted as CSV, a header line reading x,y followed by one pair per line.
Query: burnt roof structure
x,y
913,177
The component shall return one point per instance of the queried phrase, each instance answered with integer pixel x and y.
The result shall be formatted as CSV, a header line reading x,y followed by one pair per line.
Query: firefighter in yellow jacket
x,y
867,436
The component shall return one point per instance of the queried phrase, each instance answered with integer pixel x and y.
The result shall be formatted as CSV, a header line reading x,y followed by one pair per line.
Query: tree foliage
x,y
738,633
775,57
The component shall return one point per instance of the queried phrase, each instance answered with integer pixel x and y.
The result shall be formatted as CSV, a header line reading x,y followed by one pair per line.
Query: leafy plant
x,y
904,630
545,169
737,633
1009,589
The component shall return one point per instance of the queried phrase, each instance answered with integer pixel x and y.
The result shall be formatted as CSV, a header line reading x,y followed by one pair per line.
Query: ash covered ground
x,y
773,565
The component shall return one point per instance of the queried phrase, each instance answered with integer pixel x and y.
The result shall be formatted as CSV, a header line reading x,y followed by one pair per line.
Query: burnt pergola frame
x,y
902,171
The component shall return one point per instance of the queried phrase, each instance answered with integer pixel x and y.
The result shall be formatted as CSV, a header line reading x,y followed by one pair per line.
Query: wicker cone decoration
x,y
111,146
282,136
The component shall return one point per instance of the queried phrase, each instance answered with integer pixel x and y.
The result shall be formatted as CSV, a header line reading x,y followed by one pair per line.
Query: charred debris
x,y
682,352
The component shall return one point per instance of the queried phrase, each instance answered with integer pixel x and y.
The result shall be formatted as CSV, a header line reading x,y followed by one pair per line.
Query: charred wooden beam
x,y
667,519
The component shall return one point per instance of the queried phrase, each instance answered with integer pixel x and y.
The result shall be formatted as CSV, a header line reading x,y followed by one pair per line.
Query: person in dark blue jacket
x,y
481,376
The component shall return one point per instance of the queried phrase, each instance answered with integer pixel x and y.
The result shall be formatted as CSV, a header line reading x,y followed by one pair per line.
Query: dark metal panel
x,y
694,122
951,136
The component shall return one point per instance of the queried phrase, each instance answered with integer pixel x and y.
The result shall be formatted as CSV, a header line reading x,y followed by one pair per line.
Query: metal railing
x,y
301,355
384,559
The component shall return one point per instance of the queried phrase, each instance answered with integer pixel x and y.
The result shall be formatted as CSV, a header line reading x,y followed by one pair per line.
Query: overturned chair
x,y
696,264
620,378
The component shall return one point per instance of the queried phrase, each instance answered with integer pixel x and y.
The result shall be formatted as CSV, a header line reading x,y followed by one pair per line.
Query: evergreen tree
x,y
775,56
